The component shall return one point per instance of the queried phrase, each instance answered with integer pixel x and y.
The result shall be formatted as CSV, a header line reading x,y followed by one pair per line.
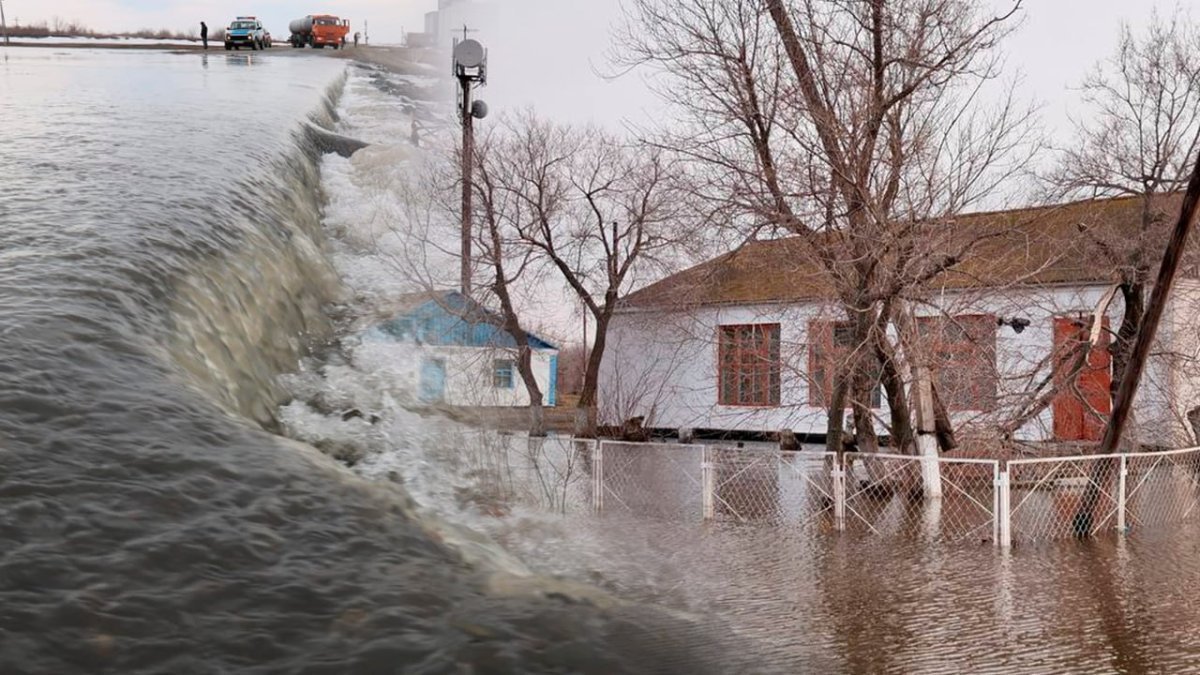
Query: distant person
x,y
355,38
416,135
204,34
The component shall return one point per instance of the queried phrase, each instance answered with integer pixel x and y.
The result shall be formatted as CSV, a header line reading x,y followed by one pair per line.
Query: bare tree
x,y
860,126
1138,138
501,215
599,216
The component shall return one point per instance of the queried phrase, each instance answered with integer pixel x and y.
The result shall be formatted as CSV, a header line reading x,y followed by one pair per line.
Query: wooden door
x,y
1082,407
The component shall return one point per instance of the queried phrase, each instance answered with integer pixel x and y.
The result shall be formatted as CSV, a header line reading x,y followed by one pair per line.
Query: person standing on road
x,y
355,38
204,34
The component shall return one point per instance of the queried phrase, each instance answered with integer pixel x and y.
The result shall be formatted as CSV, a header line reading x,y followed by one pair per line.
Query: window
x,y
749,365
830,345
962,357
502,373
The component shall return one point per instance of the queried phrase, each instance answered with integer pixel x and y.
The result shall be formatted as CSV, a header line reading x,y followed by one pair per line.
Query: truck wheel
x,y
228,48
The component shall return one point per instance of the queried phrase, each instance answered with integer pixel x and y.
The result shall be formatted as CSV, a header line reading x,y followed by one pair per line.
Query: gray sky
x,y
545,53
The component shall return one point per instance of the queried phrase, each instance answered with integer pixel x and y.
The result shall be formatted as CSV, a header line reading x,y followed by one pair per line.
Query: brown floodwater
x,y
861,603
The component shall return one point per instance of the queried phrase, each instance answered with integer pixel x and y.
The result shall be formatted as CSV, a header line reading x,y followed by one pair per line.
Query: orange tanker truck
x,y
319,30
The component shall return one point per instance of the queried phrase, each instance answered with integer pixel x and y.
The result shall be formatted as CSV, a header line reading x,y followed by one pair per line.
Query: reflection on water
x,y
871,604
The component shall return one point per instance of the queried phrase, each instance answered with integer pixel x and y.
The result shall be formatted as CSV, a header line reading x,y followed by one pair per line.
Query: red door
x,y
1081,408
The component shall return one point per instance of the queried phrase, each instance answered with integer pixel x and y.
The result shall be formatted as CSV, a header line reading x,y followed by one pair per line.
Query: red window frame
x,y
825,356
961,351
749,367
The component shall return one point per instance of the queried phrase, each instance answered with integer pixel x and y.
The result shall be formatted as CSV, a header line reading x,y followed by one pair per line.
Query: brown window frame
x,y
972,354
749,366
823,353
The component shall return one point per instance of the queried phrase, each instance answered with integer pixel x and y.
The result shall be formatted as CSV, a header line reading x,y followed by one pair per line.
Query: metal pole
x,y
1121,495
839,493
598,478
468,152
708,484
3,23
1004,514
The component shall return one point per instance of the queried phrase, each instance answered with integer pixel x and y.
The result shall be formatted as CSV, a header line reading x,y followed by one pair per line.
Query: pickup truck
x,y
246,31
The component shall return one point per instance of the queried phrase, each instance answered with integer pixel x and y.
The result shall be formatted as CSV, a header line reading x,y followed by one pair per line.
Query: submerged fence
x,y
933,498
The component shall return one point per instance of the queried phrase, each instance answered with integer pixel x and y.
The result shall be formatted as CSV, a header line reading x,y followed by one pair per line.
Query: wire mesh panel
x,y
1059,497
656,480
745,484
556,474
886,494
807,490
1161,488
547,474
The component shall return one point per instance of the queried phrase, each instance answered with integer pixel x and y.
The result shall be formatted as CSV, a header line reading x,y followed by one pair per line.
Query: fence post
x,y
598,477
1121,496
1003,513
931,475
839,493
708,484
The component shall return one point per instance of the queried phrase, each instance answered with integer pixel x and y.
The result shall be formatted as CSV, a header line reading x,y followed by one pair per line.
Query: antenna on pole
x,y
470,68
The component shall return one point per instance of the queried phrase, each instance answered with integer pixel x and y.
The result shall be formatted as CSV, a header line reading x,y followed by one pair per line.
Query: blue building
x,y
459,353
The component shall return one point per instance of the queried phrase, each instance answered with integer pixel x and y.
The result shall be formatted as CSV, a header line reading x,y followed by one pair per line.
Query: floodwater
x,y
162,262
172,248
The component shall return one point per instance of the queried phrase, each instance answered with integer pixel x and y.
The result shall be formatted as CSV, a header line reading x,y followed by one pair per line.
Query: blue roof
x,y
448,319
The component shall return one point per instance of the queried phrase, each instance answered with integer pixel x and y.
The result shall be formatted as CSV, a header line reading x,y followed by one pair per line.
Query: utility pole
x,y
366,34
3,23
470,68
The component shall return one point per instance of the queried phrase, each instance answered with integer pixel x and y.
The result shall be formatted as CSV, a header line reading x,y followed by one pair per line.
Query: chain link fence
x,y
939,499
943,499
546,474
1085,496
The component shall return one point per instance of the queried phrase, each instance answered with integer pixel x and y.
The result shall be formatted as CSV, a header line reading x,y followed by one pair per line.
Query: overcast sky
x,y
545,53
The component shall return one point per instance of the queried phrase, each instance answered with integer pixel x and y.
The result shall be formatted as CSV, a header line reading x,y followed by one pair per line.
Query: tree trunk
x,y
585,414
836,417
537,419
941,418
897,397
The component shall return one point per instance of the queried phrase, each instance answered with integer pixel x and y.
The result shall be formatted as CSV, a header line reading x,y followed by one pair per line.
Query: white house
x,y
450,350
745,342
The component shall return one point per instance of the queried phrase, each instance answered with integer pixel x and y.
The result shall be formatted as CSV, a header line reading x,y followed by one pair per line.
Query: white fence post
x,y
598,477
1003,514
1121,496
708,484
839,493
931,477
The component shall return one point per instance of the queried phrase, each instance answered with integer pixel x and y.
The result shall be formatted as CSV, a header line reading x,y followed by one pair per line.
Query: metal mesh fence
x,y
886,495
794,489
650,480
546,474
1053,498
1161,488
936,499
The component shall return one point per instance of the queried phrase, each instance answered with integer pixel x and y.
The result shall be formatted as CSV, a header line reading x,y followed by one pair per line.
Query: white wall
x,y
468,380
469,376
664,366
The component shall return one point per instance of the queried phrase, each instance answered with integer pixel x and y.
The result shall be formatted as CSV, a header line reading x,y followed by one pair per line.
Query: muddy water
x,y
162,261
